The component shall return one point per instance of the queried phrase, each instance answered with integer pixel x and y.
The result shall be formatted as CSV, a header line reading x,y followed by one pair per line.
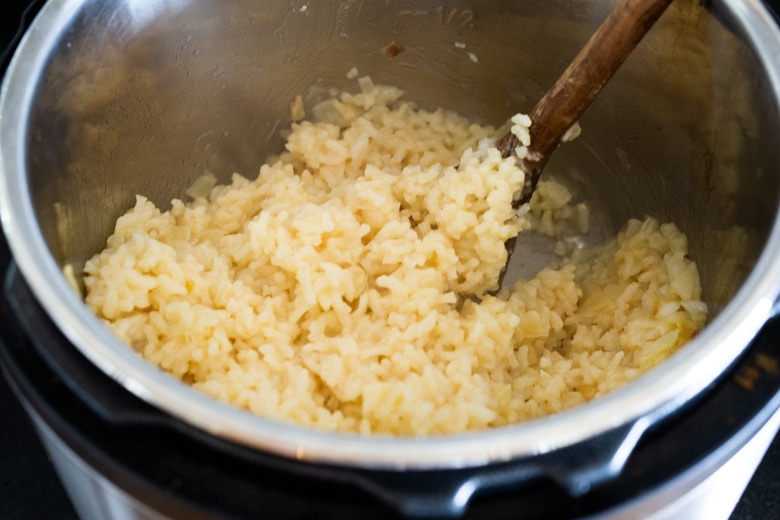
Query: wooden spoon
x,y
580,83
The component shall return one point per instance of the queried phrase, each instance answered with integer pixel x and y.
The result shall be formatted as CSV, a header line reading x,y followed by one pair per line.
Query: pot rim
x,y
658,392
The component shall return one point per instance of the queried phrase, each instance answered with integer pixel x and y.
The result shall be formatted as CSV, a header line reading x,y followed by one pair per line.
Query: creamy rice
x,y
352,285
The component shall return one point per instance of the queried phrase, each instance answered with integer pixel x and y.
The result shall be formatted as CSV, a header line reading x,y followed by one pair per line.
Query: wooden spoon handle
x,y
582,80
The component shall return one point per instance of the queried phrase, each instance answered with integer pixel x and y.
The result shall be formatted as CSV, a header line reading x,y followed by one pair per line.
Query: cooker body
x,y
107,100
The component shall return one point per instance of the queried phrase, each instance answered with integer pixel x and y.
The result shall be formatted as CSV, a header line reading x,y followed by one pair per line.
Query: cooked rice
x,y
350,287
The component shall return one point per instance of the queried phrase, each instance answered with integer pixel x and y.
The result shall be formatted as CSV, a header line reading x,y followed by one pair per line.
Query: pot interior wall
x,y
144,97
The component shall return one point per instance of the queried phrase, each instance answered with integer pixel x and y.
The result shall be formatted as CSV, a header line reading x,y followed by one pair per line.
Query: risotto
x,y
354,284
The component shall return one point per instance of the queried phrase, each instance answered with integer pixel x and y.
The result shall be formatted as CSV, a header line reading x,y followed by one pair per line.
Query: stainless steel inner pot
x,y
108,99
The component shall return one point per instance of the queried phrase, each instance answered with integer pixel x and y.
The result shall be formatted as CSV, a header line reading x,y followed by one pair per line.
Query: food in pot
x,y
353,285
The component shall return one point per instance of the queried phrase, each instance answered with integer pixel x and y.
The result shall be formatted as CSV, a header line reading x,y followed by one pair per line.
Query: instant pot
x,y
124,450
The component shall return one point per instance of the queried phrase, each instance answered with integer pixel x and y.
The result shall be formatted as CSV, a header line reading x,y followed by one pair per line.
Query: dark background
x,y
30,490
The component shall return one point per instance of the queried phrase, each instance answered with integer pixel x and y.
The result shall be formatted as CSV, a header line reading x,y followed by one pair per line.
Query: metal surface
x,y
94,496
709,491
108,99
